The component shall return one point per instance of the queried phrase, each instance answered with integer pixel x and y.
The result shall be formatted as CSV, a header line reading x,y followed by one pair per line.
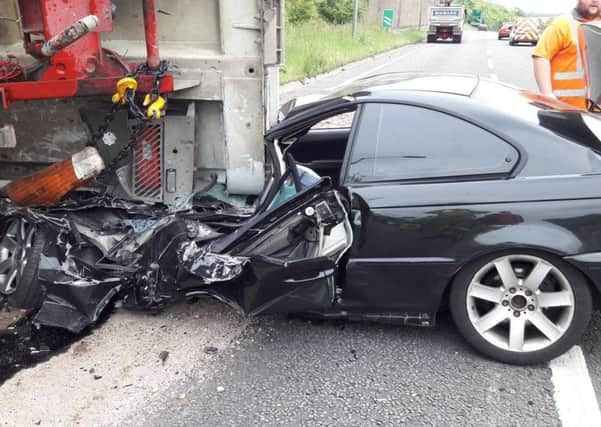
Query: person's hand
x,y
550,95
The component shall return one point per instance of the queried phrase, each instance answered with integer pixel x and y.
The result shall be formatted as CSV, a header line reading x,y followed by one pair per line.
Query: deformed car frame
x,y
511,247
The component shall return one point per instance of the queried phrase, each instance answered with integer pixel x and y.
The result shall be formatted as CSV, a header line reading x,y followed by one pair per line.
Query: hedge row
x,y
332,11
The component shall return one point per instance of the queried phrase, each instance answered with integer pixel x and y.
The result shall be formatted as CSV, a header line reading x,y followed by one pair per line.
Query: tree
x,y
299,11
338,11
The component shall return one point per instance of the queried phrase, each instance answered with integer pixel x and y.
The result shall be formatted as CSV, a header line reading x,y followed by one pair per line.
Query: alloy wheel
x,y
16,246
520,303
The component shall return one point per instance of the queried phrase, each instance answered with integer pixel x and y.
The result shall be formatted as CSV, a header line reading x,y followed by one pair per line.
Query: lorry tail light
x,y
50,185
148,163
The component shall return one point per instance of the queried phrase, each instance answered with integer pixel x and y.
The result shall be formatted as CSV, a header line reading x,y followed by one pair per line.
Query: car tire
x,y
21,249
551,319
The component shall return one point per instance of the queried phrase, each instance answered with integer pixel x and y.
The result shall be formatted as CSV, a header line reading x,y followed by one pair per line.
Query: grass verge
x,y
317,47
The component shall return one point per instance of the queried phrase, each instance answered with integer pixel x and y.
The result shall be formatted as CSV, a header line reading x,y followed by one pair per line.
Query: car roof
x,y
388,84
492,104
536,123
432,88
456,84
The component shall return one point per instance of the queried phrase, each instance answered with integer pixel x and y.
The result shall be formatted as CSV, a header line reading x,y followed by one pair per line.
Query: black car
x,y
440,192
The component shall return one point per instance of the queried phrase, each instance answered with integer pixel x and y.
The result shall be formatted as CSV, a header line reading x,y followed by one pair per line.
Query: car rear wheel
x,y
20,252
521,308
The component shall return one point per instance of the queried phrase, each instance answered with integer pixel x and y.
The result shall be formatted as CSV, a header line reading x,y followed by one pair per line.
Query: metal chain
x,y
134,110
108,119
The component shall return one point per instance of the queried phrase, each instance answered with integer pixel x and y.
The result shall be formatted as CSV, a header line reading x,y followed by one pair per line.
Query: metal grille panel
x,y
148,164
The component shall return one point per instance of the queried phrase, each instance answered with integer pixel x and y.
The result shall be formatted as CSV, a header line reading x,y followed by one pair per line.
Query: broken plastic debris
x,y
211,350
208,266
41,350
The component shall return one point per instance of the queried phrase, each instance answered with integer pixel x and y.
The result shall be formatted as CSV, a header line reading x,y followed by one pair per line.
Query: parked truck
x,y
446,24
476,18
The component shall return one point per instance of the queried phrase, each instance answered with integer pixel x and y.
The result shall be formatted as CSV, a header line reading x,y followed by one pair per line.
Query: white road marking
x,y
369,72
574,394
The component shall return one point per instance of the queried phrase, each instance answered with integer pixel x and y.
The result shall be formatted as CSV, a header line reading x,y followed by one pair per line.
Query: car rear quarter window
x,y
401,142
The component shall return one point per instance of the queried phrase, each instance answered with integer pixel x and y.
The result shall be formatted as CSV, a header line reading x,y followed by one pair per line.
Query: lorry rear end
x,y
224,57
446,24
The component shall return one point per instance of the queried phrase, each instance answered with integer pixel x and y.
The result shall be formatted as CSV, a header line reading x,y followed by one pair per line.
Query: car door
x,y
290,252
284,260
411,175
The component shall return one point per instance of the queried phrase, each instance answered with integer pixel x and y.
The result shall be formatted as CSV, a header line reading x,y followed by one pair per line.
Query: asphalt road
x,y
280,371
480,54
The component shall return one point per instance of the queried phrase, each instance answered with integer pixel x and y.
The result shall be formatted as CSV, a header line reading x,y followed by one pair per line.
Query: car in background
x,y
525,30
505,31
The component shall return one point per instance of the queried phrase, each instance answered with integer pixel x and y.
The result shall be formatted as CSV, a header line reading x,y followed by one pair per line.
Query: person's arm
x,y
542,74
553,39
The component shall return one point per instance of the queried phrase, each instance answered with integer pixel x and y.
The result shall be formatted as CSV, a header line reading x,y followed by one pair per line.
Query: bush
x,y
300,11
315,47
338,11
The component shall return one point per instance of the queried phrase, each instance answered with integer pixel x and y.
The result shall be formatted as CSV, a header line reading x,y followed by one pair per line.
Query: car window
x,y
401,142
340,121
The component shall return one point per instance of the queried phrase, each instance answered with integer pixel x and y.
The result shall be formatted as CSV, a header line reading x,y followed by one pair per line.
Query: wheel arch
x,y
594,285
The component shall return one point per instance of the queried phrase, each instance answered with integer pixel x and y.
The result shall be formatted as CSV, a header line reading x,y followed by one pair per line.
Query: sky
x,y
540,6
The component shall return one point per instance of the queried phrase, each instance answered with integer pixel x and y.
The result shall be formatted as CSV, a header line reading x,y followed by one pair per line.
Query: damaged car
x,y
427,195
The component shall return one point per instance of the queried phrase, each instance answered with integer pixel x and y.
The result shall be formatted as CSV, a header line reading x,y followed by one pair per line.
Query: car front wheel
x,y
20,252
521,308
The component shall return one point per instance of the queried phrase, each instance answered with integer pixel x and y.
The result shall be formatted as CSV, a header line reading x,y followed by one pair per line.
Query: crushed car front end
x,y
92,248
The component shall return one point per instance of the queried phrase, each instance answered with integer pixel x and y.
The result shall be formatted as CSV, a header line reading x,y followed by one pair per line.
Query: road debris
x,y
163,355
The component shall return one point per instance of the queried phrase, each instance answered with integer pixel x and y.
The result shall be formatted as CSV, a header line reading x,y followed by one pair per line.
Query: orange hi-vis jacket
x,y
560,44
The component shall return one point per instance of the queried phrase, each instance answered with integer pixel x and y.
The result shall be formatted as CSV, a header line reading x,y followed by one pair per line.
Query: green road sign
x,y
387,18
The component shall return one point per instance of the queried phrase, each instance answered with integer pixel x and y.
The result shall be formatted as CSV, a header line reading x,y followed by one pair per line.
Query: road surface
x,y
200,364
